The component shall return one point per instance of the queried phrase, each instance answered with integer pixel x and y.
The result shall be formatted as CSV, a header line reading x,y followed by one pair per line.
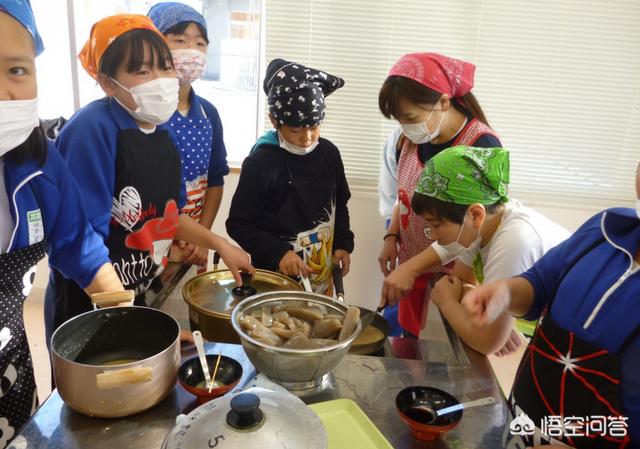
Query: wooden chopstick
x,y
215,371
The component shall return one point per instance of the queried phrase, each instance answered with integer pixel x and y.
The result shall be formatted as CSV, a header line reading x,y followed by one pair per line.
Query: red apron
x,y
412,239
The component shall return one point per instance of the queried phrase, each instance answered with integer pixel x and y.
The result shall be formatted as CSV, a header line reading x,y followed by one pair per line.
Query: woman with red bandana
x,y
430,96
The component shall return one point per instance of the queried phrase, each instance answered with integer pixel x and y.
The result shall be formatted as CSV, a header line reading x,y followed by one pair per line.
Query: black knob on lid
x,y
246,289
245,411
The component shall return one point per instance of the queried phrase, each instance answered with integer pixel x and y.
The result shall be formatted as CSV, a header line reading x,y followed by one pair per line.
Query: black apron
x,y
18,394
308,202
144,218
563,375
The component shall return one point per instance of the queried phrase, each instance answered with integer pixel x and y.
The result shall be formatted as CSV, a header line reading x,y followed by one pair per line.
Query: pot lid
x,y
217,291
254,418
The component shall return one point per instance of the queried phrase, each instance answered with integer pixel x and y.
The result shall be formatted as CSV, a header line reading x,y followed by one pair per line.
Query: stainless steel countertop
x,y
372,382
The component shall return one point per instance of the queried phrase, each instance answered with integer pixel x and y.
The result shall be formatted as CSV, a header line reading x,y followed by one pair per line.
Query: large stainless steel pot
x,y
116,362
292,368
211,298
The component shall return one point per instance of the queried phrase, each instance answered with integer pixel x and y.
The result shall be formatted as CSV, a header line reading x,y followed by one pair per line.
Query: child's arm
x,y
105,280
400,281
234,258
486,339
343,237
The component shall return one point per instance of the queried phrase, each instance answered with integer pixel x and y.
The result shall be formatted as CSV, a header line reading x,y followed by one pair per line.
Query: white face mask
x,y
157,100
419,133
450,251
17,120
296,149
189,64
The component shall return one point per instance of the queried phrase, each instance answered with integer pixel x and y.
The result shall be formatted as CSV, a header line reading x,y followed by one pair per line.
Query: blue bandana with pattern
x,y
167,15
22,12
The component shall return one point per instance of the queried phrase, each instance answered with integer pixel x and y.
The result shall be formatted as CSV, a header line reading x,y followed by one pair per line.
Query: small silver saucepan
x,y
117,361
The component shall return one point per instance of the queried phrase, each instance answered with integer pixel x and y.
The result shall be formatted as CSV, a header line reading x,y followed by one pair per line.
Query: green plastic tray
x,y
348,427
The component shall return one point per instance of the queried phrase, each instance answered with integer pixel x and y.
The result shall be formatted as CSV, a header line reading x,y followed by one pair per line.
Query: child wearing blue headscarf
x,y
196,123
40,212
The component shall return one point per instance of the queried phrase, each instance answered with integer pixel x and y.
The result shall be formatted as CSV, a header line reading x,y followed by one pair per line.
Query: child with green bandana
x,y
462,195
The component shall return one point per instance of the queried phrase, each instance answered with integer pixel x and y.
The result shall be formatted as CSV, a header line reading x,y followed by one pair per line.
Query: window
x,y
230,81
558,80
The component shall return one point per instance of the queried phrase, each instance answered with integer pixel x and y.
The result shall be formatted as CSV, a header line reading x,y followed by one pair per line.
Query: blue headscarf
x,y
22,12
167,15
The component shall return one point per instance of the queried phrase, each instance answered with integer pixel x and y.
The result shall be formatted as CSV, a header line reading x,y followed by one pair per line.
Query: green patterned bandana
x,y
466,175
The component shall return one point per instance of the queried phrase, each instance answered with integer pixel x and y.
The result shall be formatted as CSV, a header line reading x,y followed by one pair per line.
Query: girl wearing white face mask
x,y
40,213
126,161
462,196
196,123
430,96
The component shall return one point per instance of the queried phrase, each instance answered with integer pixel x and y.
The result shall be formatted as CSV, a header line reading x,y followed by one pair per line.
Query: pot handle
x,y
106,299
121,378
336,273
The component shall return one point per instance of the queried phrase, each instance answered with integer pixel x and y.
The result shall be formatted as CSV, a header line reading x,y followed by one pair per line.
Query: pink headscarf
x,y
440,73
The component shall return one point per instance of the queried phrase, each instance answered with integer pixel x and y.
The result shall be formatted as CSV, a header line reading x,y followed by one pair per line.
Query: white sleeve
x,y
388,179
515,247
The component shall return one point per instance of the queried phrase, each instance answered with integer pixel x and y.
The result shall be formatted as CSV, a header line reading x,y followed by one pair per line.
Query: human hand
x,y
447,288
513,342
235,259
486,302
397,284
292,265
341,258
192,254
186,336
388,255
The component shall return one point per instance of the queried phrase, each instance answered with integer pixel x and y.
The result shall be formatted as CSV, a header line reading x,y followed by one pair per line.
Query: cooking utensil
x,y
191,377
256,418
366,315
116,361
211,299
202,356
292,368
435,414
106,299
215,371
375,328
307,284
418,405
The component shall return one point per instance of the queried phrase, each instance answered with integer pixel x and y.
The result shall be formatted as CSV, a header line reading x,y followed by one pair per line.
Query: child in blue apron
x,y
40,212
582,366
196,123
127,163
290,208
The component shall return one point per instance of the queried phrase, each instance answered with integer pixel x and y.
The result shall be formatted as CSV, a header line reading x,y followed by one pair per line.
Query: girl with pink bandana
x,y
430,96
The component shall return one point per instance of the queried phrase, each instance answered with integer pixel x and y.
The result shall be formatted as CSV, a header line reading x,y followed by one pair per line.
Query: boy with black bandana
x,y
290,208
